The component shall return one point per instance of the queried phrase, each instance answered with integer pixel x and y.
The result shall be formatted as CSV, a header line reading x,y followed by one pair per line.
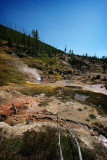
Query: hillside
x,y
52,103
55,63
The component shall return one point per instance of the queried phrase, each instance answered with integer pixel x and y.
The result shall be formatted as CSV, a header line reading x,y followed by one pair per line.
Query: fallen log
x,y
76,122
86,125
78,146
15,109
59,138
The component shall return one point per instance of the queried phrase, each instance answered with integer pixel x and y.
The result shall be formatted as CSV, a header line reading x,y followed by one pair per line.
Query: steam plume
x,y
32,71
25,69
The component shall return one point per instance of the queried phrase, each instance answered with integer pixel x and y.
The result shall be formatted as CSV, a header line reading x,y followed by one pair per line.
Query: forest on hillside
x,y
29,42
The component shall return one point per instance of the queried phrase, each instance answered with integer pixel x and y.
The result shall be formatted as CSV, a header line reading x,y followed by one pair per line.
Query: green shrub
x,y
0,43
33,145
38,89
41,145
88,154
79,109
92,116
87,120
98,77
50,72
43,104
69,148
99,125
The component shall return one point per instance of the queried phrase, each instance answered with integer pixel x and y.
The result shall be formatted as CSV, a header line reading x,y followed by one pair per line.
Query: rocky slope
x,y
27,103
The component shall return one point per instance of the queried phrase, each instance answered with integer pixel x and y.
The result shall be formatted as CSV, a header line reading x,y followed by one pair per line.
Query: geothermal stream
x,y
99,88
96,88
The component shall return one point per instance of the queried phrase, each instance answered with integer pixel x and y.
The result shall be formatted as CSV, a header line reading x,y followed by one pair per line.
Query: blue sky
x,y
81,25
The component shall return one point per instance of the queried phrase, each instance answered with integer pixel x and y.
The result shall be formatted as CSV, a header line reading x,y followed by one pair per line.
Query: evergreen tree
x,y
23,39
9,42
0,43
70,51
65,49
29,41
86,55
36,39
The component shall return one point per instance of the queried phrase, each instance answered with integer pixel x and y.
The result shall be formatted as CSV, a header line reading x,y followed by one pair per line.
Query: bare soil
x,y
33,116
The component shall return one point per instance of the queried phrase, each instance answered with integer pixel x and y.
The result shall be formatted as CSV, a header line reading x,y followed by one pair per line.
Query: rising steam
x,y
32,71
29,71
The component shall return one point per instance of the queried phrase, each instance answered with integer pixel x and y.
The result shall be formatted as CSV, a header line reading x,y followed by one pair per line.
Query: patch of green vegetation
x,y
39,145
102,129
35,62
96,77
0,43
43,104
44,145
99,125
51,66
68,91
92,116
79,109
85,107
100,151
9,73
73,87
66,98
38,89
9,148
88,154
77,62
98,100
69,149
33,45
87,120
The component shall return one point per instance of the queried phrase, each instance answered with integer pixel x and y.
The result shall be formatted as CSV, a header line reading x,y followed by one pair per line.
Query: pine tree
x,y
9,42
70,51
29,41
86,55
0,43
23,39
65,49
36,39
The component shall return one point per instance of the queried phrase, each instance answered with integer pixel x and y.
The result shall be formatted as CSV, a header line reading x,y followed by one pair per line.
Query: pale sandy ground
x,y
69,110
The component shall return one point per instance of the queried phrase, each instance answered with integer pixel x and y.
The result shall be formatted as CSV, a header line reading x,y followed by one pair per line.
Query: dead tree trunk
x,y
59,138
15,109
2,138
79,150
